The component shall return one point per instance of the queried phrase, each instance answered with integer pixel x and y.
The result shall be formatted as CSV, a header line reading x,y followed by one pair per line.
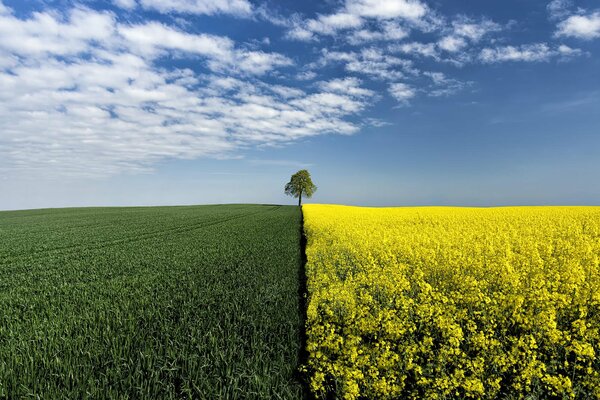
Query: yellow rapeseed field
x,y
446,302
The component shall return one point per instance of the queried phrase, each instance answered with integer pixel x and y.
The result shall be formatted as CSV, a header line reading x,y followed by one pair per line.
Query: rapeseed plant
x,y
440,302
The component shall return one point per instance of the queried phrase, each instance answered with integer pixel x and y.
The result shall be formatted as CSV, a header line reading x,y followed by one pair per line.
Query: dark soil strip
x,y
302,304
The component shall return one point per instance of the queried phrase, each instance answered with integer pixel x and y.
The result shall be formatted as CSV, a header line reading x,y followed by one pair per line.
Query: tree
x,y
300,184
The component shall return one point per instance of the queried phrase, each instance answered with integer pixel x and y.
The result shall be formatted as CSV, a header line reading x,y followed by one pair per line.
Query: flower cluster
x,y
440,302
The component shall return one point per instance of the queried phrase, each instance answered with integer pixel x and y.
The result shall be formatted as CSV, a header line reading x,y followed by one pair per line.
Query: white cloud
x,y
240,8
375,122
354,15
464,32
402,92
416,48
577,23
152,39
46,34
326,103
306,30
84,92
306,75
559,9
329,24
527,52
452,44
126,4
285,92
301,34
349,85
84,95
4,9
254,62
126,115
437,77
444,86
372,62
388,9
580,26
8,61
569,51
474,30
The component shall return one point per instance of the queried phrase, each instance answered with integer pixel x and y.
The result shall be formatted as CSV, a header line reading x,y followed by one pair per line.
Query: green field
x,y
150,302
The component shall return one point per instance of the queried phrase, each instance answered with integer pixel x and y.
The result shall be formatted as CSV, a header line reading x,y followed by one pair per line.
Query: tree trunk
x,y
300,199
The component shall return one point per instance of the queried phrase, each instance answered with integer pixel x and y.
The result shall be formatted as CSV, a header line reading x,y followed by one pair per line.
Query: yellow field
x,y
444,302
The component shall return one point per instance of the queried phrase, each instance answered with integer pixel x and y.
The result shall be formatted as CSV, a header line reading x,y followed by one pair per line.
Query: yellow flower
x,y
441,302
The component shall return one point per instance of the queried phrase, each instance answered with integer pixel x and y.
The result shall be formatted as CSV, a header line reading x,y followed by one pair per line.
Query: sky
x,y
385,102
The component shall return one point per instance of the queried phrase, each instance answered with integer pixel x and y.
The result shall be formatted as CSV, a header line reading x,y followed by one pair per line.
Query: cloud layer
x,y
574,22
581,26
239,8
82,94
88,92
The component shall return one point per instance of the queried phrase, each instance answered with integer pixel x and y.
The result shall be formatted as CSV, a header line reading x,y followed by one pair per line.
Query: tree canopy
x,y
300,184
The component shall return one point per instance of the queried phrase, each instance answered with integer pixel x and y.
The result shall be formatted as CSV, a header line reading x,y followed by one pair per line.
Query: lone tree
x,y
300,184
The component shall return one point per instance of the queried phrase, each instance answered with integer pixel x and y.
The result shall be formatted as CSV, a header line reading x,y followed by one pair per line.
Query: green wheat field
x,y
151,302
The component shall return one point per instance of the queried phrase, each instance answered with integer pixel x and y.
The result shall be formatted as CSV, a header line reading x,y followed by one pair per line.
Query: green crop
x,y
150,302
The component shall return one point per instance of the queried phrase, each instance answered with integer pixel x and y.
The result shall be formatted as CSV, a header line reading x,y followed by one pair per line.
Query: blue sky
x,y
386,102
